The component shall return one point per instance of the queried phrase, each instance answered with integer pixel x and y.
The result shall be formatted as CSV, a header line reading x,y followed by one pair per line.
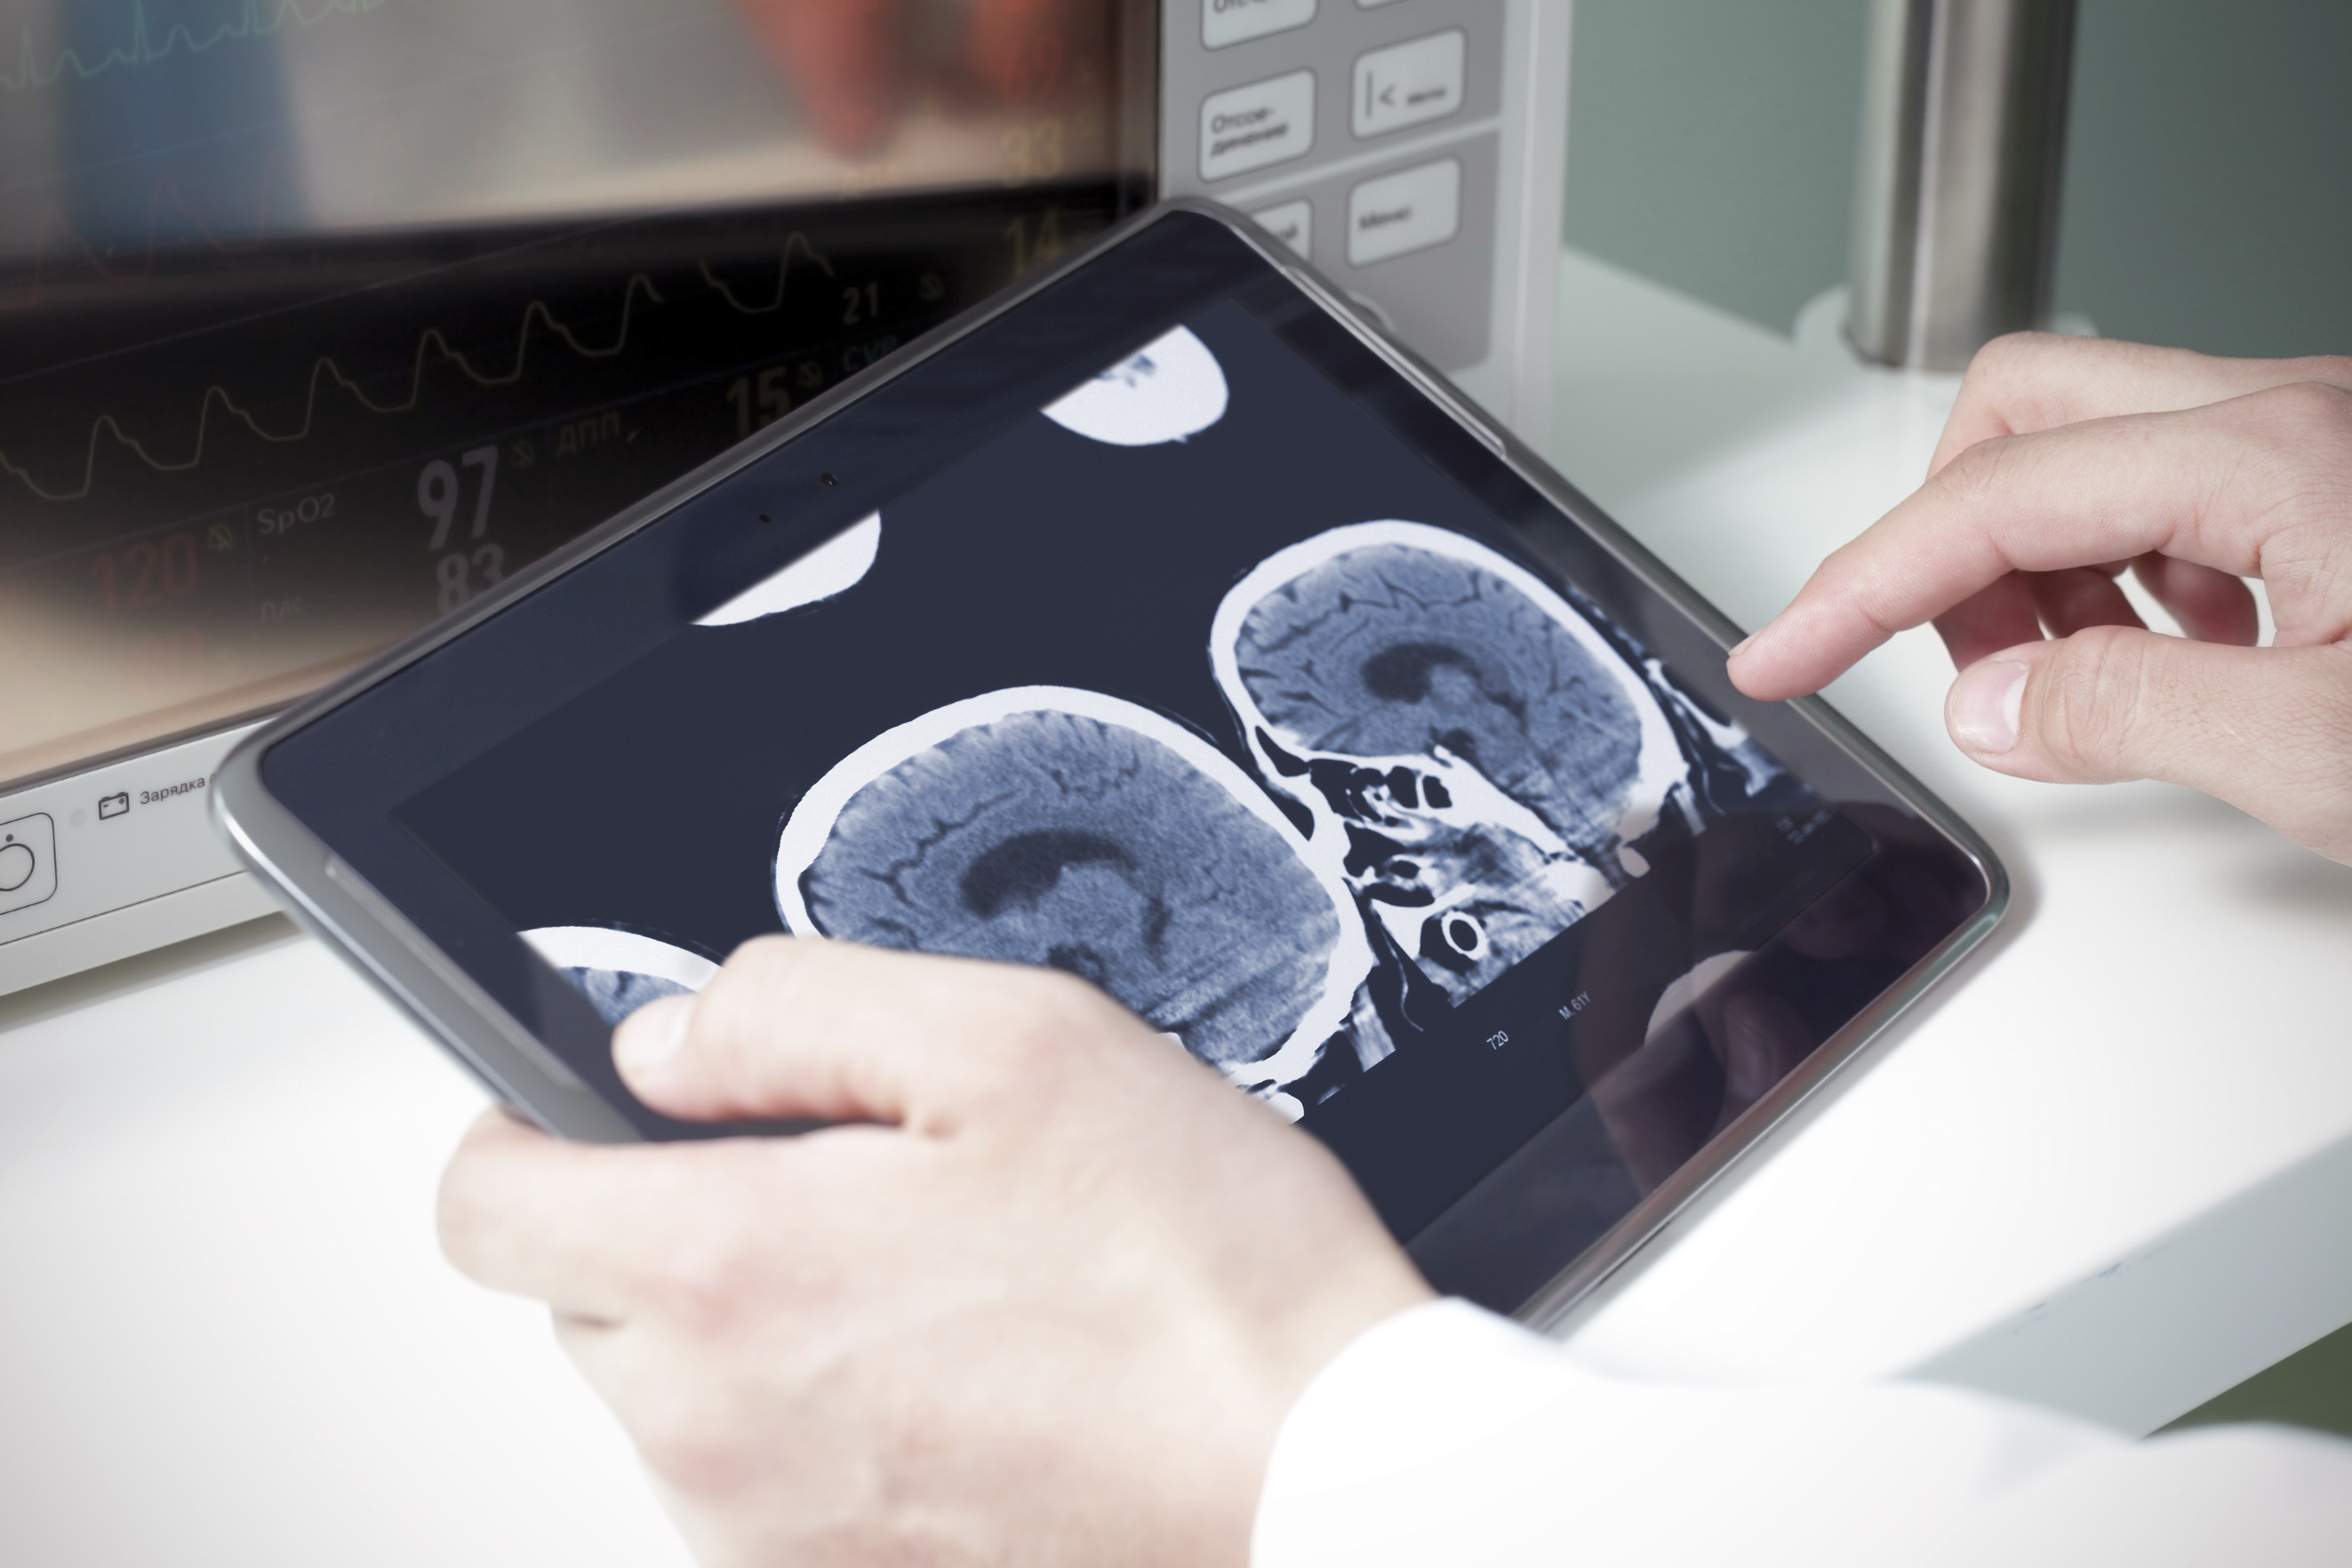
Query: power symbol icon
x,y
28,865
16,864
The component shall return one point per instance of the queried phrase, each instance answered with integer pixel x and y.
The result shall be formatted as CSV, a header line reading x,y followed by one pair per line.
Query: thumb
x,y
801,1027
2267,730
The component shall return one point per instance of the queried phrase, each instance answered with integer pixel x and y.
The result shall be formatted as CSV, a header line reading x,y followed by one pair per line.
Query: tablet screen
x,y
1198,680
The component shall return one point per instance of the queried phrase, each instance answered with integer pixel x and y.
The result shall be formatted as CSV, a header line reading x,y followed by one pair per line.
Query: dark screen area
x,y
321,318
222,489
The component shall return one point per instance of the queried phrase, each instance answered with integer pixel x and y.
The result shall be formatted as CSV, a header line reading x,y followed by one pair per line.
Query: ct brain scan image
x,y
620,971
1055,826
1478,757
1171,389
1471,766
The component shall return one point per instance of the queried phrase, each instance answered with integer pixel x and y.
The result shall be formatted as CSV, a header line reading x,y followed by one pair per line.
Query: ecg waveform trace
x,y
431,340
257,19
798,242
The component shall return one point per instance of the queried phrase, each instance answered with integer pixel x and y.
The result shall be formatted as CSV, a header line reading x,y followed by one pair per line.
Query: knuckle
x,y
767,962
2304,506
2006,379
1039,1019
2008,352
1982,470
690,1443
2306,406
2327,373
1051,1008
755,987
711,1276
2086,703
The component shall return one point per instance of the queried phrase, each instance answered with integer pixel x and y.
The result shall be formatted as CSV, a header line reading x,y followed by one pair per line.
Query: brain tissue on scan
x,y
620,971
1059,839
1481,759
618,993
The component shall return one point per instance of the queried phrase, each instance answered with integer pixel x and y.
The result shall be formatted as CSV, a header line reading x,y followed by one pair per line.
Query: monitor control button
x,y
28,861
1227,22
1407,211
1408,84
1293,223
1246,128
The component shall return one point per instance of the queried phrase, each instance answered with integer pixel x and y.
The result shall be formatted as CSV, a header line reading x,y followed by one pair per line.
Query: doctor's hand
x,y
1044,1296
2065,462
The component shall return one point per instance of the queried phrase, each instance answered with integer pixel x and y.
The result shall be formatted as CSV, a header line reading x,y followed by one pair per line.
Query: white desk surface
x,y
2112,1168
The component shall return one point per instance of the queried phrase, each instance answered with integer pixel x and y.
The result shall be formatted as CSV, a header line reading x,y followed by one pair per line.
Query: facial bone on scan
x,y
1478,759
1042,836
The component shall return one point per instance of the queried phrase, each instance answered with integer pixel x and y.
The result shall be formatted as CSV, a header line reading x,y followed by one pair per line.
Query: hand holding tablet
x,y
977,1322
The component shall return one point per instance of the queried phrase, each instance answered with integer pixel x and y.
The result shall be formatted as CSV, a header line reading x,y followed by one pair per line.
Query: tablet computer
x,y
1166,623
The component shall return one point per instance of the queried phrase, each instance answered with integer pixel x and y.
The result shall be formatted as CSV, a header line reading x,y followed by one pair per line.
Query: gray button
x,y
28,861
1227,22
1293,223
1407,211
1408,84
1246,128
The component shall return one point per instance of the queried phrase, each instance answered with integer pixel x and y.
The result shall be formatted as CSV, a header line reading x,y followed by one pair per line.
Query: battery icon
x,y
115,804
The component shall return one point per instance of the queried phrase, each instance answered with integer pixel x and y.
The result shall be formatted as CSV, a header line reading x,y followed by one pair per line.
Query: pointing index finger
x,y
2219,485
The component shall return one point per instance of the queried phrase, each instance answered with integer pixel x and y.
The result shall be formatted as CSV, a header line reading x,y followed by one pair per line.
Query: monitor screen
x,y
318,316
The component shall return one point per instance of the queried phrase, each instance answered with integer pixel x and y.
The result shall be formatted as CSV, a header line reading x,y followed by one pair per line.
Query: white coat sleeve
x,y
1449,1435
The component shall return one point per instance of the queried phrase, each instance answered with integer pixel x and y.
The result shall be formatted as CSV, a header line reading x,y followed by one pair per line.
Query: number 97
x,y
439,491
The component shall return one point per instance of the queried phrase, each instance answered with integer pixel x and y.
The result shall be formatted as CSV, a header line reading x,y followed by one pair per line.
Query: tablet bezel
x,y
336,901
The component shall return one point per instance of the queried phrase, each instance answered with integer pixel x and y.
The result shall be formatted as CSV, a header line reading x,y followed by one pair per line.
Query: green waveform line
x,y
430,342
259,20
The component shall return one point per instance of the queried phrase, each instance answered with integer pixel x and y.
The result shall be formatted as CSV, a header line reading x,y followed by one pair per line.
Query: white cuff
x,y
1398,1452
1446,1435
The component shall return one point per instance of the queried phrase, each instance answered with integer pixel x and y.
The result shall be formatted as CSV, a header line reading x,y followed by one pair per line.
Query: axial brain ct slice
x,y
1063,838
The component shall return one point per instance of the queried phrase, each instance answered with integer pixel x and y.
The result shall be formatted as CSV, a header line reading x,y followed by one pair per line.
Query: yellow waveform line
x,y
432,338
143,51
783,276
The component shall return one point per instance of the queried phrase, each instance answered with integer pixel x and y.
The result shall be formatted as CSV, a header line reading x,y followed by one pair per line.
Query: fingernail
x,y
649,1039
1740,647
1985,702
